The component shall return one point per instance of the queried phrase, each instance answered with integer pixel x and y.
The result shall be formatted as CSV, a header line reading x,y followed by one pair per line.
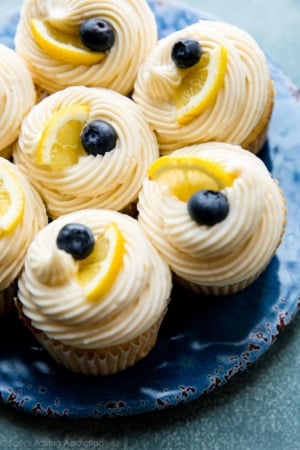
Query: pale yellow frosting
x,y
17,96
135,302
239,105
232,250
135,36
111,181
13,245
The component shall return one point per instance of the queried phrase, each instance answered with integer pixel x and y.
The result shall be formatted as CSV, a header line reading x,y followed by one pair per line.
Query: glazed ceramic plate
x,y
203,342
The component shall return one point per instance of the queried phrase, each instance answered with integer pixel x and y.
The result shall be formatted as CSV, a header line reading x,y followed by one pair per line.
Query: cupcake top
x,y
94,43
22,215
86,147
214,213
206,82
17,96
95,297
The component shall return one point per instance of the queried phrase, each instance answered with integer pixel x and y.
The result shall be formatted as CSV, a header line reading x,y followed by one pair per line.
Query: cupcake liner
x,y
219,290
104,361
255,141
7,298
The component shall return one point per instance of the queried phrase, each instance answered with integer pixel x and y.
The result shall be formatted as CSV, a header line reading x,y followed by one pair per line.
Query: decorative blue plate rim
x,y
202,344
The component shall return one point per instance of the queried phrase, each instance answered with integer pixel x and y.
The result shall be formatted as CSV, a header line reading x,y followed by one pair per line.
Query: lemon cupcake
x,y
86,147
92,43
215,214
94,291
207,82
22,215
17,96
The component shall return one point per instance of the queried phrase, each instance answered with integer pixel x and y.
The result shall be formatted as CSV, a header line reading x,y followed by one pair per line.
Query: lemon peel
x,y
63,46
11,201
60,144
184,175
201,84
97,273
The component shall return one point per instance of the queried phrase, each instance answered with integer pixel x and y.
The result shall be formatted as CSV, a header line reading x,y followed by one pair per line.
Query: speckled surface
x,y
259,409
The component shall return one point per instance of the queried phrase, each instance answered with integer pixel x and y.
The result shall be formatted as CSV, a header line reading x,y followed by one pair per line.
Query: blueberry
x,y
76,239
208,207
186,53
98,137
97,34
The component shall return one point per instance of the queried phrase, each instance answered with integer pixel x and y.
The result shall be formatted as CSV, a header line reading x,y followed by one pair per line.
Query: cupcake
x,y
85,148
92,43
207,82
94,291
22,215
215,214
17,96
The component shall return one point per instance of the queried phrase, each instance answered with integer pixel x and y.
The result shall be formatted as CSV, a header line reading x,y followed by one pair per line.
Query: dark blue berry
x,y
76,239
186,53
208,207
98,137
97,34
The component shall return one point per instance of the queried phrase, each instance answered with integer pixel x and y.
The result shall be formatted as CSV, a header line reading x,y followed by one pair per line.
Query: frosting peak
x,y
54,266
162,81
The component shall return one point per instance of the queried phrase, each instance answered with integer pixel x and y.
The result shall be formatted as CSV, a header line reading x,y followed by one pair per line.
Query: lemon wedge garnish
x,y
201,84
11,201
60,144
97,273
65,47
184,175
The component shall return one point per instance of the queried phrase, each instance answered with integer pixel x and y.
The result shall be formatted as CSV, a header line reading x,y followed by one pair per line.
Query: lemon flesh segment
x,y
60,144
200,86
11,201
185,175
97,273
65,47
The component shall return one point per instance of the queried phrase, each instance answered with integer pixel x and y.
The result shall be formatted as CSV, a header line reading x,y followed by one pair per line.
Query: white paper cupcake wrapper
x,y
103,361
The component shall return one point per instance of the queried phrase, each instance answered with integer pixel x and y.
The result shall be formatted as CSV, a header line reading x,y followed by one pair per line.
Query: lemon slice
x,y
11,201
97,273
60,145
65,47
184,175
201,85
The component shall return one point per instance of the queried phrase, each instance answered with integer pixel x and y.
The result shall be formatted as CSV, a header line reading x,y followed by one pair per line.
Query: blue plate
x,y
202,344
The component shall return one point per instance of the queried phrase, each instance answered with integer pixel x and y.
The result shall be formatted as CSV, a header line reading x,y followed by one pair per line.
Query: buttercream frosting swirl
x,y
135,36
17,96
232,250
110,181
135,302
240,103
13,245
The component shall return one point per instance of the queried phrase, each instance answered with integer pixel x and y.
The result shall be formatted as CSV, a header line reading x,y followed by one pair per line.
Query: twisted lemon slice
x,y
97,273
184,175
11,201
60,145
65,47
201,85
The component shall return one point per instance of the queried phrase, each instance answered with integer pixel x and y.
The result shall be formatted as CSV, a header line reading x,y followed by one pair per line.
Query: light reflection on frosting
x,y
17,97
232,250
135,36
239,106
111,181
134,303
13,246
